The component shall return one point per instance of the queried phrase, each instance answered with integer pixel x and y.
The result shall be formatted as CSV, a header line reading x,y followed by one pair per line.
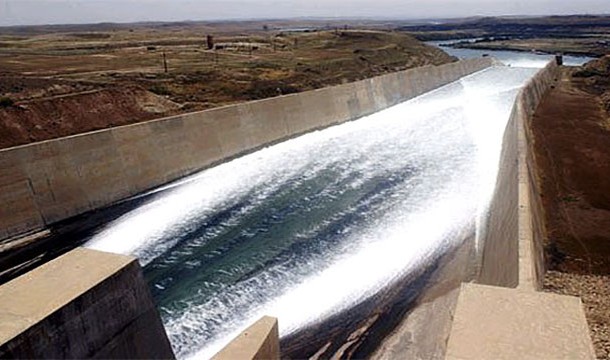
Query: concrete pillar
x,y
559,59
84,304
259,341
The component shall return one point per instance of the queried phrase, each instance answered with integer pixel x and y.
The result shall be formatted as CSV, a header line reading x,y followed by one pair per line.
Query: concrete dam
x,y
336,231
337,214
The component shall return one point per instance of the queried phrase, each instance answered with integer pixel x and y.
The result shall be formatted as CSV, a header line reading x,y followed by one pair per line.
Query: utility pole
x,y
164,62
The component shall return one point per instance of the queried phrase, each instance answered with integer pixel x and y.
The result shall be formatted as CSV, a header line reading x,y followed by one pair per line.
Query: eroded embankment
x,y
572,133
64,115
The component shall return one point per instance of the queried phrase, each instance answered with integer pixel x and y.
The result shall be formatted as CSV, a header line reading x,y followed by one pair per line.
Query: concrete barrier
x,y
531,212
46,182
512,320
512,253
84,304
499,255
500,323
259,341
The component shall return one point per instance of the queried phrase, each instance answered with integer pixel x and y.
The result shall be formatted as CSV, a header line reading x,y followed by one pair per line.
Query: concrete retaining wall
x,y
531,212
259,341
530,324
85,304
46,182
512,253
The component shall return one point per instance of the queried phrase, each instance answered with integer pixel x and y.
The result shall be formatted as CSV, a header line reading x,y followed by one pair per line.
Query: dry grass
x,y
275,62
248,63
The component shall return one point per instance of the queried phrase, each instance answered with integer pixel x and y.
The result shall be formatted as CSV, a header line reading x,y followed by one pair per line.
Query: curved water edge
x,y
322,224
508,57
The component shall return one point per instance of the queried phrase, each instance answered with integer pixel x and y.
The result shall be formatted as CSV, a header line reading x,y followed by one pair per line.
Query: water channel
x,y
317,225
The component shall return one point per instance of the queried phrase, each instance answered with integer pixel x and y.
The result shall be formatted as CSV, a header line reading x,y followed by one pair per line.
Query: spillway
x,y
316,225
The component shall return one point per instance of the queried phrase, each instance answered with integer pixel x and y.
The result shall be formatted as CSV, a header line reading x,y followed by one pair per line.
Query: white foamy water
x,y
307,228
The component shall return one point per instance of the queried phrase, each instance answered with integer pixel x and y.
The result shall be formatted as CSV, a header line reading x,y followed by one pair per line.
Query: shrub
x,y
6,102
585,73
160,89
260,89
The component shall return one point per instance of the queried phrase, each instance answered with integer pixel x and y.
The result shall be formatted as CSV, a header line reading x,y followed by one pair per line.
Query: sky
x,y
30,12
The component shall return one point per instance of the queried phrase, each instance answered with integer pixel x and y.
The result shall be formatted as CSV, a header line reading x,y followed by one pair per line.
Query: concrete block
x,y
378,92
203,140
364,99
318,109
84,304
259,341
228,123
266,120
11,165
296,116
500,323
18,212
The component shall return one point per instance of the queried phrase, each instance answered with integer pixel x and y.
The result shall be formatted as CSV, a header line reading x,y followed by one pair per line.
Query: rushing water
x,y
511,58
309,227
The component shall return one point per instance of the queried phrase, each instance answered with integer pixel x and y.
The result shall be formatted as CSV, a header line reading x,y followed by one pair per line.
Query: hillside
x,y
55,83
515,27
574,35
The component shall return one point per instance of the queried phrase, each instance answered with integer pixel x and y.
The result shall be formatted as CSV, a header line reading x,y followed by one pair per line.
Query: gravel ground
x,y
571,136
594,290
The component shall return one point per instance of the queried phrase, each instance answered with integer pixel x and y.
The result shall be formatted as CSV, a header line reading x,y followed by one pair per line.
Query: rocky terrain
x,y
594,290
594,78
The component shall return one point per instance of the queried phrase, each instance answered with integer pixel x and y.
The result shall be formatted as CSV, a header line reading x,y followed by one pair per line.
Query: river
x,y
511,58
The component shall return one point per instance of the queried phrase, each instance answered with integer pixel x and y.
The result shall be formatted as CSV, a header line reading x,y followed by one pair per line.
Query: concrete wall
x,y
531,212
500,256
46,182
530,324
512,253
84,304
259,341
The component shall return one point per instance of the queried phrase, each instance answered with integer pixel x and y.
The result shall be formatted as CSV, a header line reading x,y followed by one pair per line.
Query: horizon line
x,y
307,18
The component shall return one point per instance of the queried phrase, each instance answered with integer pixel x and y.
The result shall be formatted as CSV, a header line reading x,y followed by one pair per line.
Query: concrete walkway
x,y
500,323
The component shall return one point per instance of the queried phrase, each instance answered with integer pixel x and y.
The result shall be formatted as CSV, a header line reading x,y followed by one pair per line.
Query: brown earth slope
x,y
572,136
64,115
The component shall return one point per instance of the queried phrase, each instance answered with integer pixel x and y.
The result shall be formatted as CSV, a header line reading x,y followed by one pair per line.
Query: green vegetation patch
x,y
6,102
160,89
